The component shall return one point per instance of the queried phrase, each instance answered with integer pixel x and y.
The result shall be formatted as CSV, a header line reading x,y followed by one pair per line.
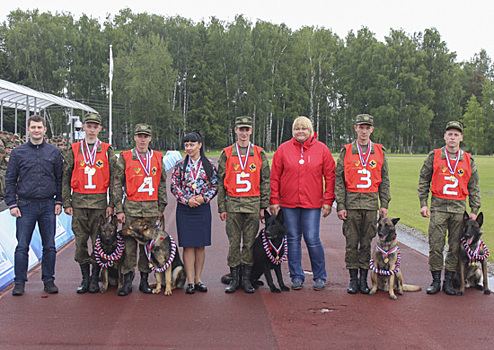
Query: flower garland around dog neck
x,y
474,256
268,246
99,254
387,272
147,249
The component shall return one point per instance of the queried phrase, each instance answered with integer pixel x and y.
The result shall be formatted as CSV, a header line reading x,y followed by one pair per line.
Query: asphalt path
x,y
329,319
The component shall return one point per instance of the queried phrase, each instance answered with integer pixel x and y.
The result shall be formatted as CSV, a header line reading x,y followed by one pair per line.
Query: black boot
x,y
235,280
448,283
127,287
144,285
436,283
364,288
84,286
246,283
353,286
94,283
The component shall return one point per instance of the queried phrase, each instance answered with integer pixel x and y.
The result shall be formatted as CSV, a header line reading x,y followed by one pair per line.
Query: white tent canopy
x,y
21,97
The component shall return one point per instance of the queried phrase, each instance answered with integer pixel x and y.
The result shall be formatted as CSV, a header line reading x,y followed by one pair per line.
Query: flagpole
x,y
110,136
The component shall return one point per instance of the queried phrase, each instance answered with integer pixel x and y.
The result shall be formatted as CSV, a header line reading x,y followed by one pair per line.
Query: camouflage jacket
x,y
141,209
353,200
85,200
448,205
227,203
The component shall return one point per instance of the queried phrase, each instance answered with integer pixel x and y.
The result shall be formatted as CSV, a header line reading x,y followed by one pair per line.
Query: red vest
x,y
246,185
142,187
360,179
443,184
87,179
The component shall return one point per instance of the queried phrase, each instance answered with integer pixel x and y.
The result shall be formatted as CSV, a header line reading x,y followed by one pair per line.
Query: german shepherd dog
x,y
110,245
270,252
472,256
385,272
274,232
145,232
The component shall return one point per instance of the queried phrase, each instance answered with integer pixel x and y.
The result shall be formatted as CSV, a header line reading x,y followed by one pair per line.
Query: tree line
x,y
180,76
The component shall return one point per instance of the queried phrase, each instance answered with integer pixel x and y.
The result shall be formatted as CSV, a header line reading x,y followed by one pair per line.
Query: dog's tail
x,y
411,288
178,277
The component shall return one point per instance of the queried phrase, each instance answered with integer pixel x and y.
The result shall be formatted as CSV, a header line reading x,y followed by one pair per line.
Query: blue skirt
x,y
194,225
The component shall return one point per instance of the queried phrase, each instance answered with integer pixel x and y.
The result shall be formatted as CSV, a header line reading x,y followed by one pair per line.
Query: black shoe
x,y
353,286
246,282
144,285
51,288
448,283
18,289
190,289
84,286
235,280
127,287
201,287
364,288
94,283
436,283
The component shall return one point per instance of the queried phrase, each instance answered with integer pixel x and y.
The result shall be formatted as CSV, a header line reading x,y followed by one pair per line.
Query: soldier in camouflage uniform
x,y
243,194
451,175
362,181
89,168
141,174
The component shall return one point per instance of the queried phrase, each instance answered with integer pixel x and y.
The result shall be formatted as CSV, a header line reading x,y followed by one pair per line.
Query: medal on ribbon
x,y
195,168
361,155
452,170
89,156
244,163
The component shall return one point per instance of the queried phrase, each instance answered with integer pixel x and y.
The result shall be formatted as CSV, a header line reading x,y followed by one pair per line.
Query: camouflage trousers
x,y
130,253
241,228
85,223
439,223
359,229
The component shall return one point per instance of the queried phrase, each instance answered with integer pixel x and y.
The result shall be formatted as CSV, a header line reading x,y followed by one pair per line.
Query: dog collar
x,y
387,272
100,255
147,249
474,255
268,246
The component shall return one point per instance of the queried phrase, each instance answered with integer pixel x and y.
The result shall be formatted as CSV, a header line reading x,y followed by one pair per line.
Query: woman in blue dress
x,y
194,183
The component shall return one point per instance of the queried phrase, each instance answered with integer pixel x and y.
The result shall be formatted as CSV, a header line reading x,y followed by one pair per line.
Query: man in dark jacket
x,y
33,192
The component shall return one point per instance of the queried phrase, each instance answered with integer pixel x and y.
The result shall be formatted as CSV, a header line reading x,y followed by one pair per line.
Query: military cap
x,y
143,129
364,119
17,143
243,122
92,118
2,150
454,125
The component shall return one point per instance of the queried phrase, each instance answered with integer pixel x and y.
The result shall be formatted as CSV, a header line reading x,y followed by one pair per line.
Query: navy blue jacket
x,y
34,173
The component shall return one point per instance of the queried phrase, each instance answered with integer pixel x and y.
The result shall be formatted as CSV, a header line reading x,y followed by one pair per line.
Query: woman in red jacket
x,y
297,187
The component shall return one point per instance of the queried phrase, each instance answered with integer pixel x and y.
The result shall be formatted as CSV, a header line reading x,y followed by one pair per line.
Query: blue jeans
x,y
42,212
301,221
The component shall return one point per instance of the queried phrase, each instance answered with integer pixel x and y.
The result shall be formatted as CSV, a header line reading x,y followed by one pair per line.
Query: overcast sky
x,y
466,26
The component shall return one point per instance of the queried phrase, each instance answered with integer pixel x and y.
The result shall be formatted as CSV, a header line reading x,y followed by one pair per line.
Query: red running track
x,y
329,319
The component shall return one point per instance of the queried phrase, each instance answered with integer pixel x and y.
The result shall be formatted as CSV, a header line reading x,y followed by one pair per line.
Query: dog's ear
x,y
480,219
280,216
114,220
102,220
465,216
395,221
266,214
381,216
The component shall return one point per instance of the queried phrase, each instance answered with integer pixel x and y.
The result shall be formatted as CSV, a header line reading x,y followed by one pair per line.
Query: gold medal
x,y
194,186
87,169
277,257
92,171
301,161
151,265
386,260
242,174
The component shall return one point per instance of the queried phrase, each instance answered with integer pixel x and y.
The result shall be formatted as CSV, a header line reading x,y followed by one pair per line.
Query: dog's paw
x,y
393,297
400,292
168,292
275,290
103,290
285,288
487,292
372,292
156,291
460,293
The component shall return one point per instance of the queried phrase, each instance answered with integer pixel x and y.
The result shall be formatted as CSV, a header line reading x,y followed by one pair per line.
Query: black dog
x,y
109,249
270,251
265,259
472,265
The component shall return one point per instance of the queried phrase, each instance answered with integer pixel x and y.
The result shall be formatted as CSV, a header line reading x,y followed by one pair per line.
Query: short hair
x,y
304,122
36,119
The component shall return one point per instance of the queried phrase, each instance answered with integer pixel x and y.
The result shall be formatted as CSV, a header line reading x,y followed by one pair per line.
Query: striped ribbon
x,y
100,255
147,249
474,255
387,272
268,245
